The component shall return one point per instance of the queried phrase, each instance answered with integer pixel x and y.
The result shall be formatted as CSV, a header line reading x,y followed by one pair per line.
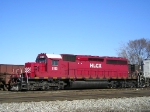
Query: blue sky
x,y
90,27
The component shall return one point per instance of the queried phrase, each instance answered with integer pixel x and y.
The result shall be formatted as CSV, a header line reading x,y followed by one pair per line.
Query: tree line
x,y
135,50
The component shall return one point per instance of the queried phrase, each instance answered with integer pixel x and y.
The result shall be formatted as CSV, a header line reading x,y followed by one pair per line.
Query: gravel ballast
x,y
137,104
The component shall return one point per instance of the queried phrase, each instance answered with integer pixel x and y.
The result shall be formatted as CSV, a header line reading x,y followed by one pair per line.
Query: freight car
x,y
7,71
67,71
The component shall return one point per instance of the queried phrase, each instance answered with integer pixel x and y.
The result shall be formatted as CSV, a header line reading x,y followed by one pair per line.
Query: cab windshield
x,y
41,60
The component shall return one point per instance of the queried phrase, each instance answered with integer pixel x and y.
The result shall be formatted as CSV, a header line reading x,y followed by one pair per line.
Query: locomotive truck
x,y
69,71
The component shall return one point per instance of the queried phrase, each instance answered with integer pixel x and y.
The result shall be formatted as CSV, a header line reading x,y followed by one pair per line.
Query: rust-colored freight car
x,y
6,71
11,69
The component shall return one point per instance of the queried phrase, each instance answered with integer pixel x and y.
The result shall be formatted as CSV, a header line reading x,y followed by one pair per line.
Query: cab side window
x,y
55,62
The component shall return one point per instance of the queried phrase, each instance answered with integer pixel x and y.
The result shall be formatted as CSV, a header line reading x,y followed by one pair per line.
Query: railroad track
x,y
6,97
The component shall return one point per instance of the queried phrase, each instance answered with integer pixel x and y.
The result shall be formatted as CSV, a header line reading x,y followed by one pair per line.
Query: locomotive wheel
x,y
31,87
133,85
45,87
112,84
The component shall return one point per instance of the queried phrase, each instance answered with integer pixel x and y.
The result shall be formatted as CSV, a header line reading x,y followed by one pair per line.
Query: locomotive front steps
x,y
24,84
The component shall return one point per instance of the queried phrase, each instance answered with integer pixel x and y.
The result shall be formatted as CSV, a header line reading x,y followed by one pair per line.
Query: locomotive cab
x,y
45,66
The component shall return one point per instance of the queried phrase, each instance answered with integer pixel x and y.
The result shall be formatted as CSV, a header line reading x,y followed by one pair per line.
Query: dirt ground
x,y
36,96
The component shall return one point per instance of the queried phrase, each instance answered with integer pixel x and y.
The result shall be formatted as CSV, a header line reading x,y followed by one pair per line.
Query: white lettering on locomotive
x,y
92,65
54,68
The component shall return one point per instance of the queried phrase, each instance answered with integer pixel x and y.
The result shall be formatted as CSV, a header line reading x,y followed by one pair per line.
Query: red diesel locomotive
x,y
67,71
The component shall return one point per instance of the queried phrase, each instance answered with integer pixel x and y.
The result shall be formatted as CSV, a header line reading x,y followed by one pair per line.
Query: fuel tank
x,y
89,84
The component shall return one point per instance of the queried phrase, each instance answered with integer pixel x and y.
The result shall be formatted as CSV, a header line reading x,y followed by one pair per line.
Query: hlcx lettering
x,y
92,65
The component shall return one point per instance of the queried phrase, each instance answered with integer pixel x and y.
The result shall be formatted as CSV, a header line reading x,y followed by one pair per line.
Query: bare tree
x,y
135,50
